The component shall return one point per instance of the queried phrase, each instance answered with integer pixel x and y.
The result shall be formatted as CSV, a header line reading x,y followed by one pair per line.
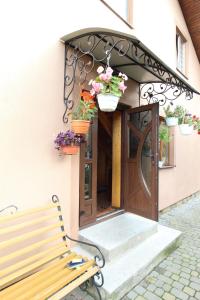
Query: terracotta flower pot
x,y
198,131
80,126
69,150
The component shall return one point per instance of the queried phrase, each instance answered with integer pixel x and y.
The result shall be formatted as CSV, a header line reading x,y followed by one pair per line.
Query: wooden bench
x,y
34,256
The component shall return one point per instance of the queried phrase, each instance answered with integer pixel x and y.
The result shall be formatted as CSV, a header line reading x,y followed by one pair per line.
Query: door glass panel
x,y
88,181
133,144
146,162
88,145
141,119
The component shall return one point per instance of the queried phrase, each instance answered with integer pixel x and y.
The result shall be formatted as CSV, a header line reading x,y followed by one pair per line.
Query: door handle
x,y
82,212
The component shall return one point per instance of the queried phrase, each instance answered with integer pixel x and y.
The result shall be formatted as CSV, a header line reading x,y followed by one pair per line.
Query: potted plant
x,y
68,142
186,124
84,113
164,139
108,88
171,117
196,123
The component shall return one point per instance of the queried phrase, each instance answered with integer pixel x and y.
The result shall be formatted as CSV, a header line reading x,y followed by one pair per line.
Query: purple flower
x,y
68,138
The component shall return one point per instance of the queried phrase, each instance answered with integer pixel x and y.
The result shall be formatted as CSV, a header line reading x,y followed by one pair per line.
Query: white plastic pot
x,y
172,121
160,163
186,129
107,102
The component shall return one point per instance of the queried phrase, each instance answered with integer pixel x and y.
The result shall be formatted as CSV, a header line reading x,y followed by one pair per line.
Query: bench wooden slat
x,y
71,286
63,249
41,275
46,288
27,212
27,223
32,247
29,235
17,275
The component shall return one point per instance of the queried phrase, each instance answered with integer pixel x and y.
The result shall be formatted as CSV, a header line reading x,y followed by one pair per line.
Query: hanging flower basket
x,y
80,126
186,129
171,121
108,88
107,102
69,150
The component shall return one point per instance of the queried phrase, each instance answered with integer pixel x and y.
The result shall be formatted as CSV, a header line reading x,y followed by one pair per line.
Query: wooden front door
x,y
88,177
141,161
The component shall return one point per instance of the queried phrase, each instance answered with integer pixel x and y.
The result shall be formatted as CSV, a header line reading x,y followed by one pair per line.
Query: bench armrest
x,y
100,260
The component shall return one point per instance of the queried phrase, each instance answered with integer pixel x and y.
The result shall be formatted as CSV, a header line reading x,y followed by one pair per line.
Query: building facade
x,y
32,86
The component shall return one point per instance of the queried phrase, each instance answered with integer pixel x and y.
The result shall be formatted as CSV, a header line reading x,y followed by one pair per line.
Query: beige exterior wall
x,y
31,96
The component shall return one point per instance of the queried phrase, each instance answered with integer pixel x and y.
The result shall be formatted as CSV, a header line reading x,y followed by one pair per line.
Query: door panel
x,y
141,161
88,177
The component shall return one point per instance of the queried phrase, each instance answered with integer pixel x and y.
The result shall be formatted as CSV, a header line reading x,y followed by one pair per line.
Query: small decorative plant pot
x,y
69,150
80,126
160,163
186,129
107,102
172,121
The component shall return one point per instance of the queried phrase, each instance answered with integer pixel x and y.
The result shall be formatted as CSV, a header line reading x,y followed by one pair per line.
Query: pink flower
x,y
96,86
105,77
100,70
92,92
109,71
122,87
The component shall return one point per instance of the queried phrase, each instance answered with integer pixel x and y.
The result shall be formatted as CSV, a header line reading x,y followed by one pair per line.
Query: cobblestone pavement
x,y
178,276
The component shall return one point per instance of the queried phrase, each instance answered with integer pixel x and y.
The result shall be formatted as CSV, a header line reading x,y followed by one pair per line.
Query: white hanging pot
x,y
107,102
160,163
186,129
172,121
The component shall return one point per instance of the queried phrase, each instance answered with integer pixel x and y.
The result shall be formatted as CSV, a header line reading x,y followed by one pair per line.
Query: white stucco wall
x,y
31,92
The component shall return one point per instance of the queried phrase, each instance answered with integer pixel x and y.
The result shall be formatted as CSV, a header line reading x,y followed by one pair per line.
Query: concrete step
x,y
119,234
126,269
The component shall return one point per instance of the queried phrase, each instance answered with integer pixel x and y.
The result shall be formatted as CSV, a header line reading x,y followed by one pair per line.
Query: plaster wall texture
x,y
31,95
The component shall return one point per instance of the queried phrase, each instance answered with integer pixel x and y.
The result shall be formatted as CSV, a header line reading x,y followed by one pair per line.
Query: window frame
x,y
182,52
129,20
171,146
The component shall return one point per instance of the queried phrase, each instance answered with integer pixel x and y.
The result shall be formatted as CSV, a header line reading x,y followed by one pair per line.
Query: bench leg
x,y
96,281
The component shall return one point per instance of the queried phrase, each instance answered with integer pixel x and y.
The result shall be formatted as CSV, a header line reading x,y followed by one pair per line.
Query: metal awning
x,y
84,48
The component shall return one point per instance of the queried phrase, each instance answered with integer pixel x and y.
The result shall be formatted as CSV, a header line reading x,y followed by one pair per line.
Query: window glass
x,y
88,181
121,7
180,52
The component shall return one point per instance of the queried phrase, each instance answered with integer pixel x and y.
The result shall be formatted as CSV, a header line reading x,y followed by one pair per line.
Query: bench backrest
x,y
29,240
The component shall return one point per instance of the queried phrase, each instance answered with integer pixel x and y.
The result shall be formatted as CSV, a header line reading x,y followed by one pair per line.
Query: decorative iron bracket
x,y
154,92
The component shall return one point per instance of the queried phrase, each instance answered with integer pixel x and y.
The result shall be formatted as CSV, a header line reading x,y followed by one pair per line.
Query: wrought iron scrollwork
x,y
163,92
11,209
82,52
99,259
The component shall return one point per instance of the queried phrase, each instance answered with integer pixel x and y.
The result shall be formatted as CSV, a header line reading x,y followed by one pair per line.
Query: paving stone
x,y
132,295
150,296
197,295
178,285
184,281
167,287
159,292
189,291
195,286
168,296
140,290
151,287
179,294
175,277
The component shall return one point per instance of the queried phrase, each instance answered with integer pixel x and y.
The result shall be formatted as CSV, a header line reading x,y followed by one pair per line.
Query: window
x,y
123,9
180,52
167,149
